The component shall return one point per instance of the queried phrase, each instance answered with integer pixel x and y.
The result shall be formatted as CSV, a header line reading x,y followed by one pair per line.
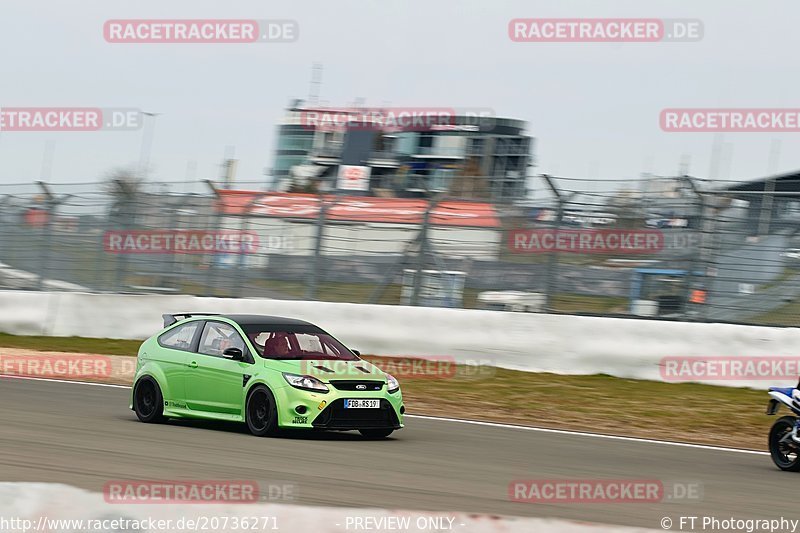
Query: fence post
x,y
313,275
9,238
48,232
765,218
715,241
696,258
126,203
174,225
52,203
210,288
240,265
706,256
551,283
102,272
422,251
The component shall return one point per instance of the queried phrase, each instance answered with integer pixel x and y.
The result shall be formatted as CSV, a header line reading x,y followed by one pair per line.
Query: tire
x,y
261,413
148,402
781,452
375,434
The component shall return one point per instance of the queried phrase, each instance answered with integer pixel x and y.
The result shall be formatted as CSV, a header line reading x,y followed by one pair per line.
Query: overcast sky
x,y
593,107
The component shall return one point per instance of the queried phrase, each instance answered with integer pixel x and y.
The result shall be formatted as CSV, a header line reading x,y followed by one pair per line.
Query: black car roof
x,y
266,320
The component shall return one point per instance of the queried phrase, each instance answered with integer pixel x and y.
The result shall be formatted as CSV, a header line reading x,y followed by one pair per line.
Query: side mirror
x,y
356,352
234,354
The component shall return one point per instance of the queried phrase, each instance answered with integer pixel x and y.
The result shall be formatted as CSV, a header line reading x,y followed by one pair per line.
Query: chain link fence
x,y
669,247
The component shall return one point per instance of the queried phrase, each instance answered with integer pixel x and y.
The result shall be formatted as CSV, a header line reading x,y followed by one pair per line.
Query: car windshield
x,y
292,344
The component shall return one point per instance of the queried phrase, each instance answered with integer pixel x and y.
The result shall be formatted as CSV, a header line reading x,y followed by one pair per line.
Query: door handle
x,y
193,364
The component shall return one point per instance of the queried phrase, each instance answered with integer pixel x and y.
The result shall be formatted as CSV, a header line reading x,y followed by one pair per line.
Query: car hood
x,y
326,369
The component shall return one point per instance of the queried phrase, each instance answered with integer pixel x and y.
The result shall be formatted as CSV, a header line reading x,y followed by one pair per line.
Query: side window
x,y
218,337
179,338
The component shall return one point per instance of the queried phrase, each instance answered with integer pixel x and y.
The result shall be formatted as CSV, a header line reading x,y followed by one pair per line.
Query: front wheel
x,y
261,413
782,448
148,402
375,433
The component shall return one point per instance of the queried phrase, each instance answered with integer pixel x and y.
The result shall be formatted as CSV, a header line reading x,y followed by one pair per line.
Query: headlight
x,y
392,385
305,383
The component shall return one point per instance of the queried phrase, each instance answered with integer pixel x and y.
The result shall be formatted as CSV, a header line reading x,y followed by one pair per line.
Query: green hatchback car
x,y
267,372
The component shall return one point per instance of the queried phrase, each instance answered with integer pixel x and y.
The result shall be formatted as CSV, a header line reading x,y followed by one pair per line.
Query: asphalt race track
x,y
84,435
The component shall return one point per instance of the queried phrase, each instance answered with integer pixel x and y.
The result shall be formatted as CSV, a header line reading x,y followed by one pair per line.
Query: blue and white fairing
x,y
788,396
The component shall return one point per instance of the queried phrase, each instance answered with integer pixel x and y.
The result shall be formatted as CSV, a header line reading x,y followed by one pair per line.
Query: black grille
x,y
356,385
335,416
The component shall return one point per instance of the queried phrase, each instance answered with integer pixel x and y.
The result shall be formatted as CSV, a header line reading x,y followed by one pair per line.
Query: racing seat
x,y
277,345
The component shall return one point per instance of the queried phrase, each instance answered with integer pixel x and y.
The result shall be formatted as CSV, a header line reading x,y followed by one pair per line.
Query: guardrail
x,y
530,342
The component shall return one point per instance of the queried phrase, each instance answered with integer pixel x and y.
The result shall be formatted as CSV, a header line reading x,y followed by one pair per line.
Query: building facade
x,y
466,156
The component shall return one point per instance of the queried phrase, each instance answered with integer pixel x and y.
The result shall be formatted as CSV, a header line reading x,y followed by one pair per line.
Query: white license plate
x,y
362,404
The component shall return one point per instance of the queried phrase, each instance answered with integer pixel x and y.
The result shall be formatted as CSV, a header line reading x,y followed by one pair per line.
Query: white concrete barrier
x,y
29,507
531,342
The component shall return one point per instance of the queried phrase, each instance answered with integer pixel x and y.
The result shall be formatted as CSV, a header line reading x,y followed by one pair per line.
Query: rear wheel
x,y
376,433
261,412
148,402
782,448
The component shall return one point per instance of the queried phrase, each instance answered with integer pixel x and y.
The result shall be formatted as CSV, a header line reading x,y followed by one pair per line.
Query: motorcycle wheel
x,y
785,453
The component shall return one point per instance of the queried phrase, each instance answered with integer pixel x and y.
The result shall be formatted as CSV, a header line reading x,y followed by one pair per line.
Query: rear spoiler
x,y
170,319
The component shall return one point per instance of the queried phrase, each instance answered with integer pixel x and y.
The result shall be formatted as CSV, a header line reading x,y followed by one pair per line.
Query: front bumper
x,y
335,416
312,410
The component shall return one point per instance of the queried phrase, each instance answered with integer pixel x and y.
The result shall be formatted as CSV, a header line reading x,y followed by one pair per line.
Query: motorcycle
x,y
784,436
